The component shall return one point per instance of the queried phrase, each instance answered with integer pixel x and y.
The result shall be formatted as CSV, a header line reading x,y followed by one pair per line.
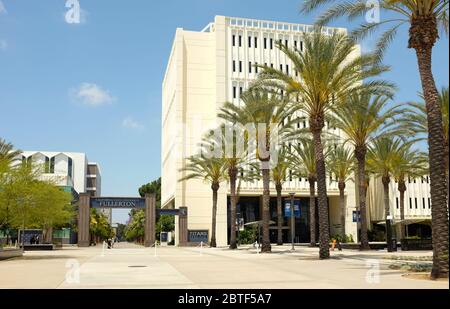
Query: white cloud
x,y
92,94
130,123
3,45
2,8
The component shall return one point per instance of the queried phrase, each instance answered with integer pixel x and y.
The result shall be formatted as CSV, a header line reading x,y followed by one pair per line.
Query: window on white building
x,y
249,67
265,43
415,202
410,203
240,66
423,202
271,43
287,69
234,92
396,202
240,41
234,66
233,40
256,42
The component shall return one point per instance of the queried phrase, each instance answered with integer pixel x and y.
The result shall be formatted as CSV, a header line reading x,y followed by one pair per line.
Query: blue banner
x,y
356,216
287,208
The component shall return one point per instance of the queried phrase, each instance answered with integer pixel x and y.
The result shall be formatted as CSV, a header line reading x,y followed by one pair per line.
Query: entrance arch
x,y
148,203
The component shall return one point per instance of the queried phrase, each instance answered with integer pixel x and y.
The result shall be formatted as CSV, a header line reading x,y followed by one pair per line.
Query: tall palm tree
x,y
326,72
213,171
382,157
263,113
363,118
303,162
341,164
424,18
409,163
279,173
235,157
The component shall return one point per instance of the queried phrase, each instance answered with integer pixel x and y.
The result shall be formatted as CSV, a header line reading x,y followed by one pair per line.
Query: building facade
x,y
70,170
205,69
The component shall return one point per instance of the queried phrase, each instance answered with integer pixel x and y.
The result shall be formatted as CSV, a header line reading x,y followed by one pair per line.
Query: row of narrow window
x,y
422,180
416,206
237,66
268,43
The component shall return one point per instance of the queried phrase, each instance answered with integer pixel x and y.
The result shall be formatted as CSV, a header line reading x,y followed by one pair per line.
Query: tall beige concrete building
x,y
205,69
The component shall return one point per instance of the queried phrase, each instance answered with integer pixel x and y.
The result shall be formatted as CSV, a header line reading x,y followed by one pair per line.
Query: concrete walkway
x,y
132,266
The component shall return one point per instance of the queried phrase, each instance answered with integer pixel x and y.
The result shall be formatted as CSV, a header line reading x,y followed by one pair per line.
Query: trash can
x,y
394,244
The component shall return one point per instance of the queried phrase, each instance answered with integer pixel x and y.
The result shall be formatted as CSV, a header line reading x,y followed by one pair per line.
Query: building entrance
x,y
151,213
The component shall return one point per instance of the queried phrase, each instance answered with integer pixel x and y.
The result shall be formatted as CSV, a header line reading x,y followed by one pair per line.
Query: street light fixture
x,y
292,220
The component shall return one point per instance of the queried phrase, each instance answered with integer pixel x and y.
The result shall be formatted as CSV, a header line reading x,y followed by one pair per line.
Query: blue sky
x,y
95,87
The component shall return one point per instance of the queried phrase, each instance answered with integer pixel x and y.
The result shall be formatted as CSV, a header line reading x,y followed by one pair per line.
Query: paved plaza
x,y
132,266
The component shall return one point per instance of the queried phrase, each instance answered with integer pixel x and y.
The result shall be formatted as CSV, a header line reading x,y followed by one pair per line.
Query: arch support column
x,y
83,220
150,220
183,226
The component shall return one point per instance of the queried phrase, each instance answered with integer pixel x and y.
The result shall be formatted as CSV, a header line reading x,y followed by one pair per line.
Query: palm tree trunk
x,y
387,211
324,232
215,188
360,154
341,186
279,215
232,174
312,211
422,36
402,189
266,211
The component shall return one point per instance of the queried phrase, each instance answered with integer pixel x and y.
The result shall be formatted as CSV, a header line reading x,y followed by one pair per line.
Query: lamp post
x,y
292,220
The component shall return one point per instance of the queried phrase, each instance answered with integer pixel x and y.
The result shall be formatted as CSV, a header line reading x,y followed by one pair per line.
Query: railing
x,y
277,26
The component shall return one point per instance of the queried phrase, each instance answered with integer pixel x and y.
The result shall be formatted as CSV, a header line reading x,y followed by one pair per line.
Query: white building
x,y
71,170
204,70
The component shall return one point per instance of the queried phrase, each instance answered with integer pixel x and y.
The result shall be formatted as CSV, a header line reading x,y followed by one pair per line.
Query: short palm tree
x,y
418,121
279,173
213,171
409,163
424,18
226,146
363,118
303,162
262,114
382,157
340,163
326,72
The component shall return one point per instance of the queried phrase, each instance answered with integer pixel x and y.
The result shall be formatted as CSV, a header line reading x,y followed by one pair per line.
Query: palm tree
x,y
424,17
235,159
326,72
382,157
340,164
303,162
363,118
263,113
279,173
419,124
213,171
7,152
409,163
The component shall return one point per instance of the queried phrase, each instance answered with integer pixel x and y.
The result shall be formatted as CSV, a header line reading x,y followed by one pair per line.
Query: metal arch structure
x,y
148,204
